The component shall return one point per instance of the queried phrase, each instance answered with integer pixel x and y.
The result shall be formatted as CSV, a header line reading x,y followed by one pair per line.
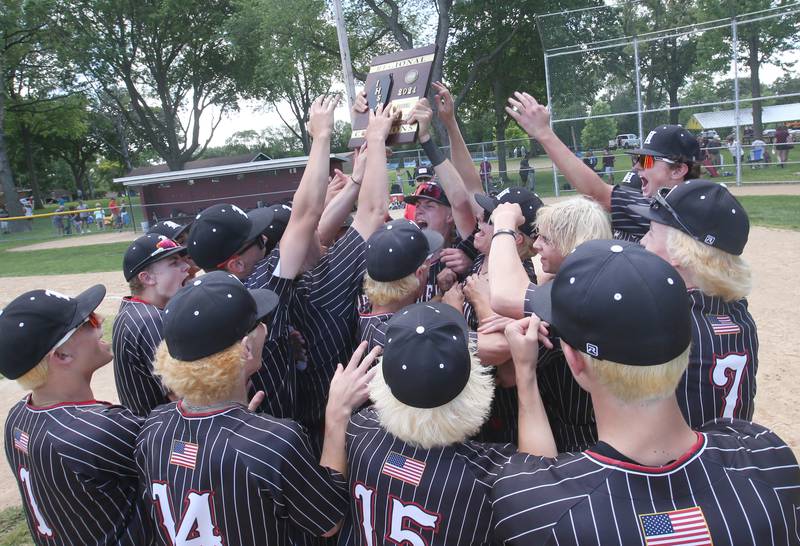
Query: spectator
x,y
99,216
58,221
28,206
735,149
114,208
3,223
590,160
83,216
783,143
608,165
486,172
527,174
714,146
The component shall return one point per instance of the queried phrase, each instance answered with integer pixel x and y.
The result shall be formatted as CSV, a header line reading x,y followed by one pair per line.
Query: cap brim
x,y
266,301
644,151
542,302
659,216
181,231
157,258
87,301
260,219
486,203
435,240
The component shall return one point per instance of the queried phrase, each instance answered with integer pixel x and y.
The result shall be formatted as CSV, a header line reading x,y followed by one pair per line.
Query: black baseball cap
x,y
276,218
428,190
211,313
221,231
37,322
146,250
170,229
426,360
616,301
528,201
632,180
669,141
398,248
706,211
423,172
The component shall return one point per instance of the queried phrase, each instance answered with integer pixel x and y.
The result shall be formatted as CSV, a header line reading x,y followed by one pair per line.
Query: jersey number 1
x,y
41,525
727,374
400,517
197,527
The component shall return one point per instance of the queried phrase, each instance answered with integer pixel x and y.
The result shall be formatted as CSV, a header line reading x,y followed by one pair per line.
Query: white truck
x,y
628,140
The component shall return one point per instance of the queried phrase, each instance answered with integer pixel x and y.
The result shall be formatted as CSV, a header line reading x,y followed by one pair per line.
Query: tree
x,y
598,131
174,60
761,40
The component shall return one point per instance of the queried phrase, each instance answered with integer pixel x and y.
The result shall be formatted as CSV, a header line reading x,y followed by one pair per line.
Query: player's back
x,y
372,329
401,494
75,470
228,476
738,485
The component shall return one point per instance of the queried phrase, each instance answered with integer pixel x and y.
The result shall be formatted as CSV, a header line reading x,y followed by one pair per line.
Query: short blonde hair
x,y
714,271
573,221
525,249
638,384
384,293
202,381
36,376
451,423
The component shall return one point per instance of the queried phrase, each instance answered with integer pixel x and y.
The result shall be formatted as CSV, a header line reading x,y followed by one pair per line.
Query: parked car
x,y
628,140
709,133
768,135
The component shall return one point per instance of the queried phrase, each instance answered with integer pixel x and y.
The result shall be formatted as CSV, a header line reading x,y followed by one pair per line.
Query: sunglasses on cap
x,y
660,201
92,320
161,246
647,161
433,191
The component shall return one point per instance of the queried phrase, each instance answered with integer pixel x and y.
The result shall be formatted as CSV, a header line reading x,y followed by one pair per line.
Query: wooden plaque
x,y
402,78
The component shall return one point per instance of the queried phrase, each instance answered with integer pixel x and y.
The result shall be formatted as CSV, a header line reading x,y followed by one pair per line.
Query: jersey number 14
x,y
196,526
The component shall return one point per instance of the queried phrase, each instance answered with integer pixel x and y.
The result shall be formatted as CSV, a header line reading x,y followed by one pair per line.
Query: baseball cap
x,y
528,201
146,250
423,172
614,300
221,231
706,211
169,229
428,190
632,180
276,218
37,322
426,361
211,313
669,141
398,248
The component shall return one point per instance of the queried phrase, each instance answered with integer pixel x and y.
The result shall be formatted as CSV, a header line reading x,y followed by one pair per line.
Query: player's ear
x,y
575,361
146,277
246,348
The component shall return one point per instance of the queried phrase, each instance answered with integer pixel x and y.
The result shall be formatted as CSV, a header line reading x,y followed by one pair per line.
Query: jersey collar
x,y
693,452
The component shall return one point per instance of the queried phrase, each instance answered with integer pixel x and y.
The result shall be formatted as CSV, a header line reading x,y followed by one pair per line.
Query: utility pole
x,y
344,51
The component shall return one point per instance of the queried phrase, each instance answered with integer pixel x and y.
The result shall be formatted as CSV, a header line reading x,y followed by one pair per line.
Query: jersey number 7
x,y
727,375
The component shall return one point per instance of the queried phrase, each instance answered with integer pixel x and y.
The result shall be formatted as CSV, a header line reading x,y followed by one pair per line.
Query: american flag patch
x,y
21,440
183,454
723,325
686,526
403,468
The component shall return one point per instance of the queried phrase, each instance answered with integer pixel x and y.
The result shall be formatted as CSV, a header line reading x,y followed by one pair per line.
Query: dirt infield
x,y
773,254
81,240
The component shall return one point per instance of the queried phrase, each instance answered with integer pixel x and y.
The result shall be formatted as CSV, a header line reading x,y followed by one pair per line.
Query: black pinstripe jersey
x,y
74,465
738,485
324,310
136,334
234,477
721,378
569,407
372,329
626,224
277,376
401,494
437,266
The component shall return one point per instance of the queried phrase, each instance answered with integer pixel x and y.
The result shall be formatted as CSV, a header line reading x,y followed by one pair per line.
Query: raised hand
x,y
507,215
360,104
320,116
421,114
380,123
445,107
350,385
529,114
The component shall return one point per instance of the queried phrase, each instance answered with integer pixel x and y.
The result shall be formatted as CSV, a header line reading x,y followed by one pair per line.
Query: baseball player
x,y
422,175
212,471
701,229
668,156
625,327
155,269
72,456
414,476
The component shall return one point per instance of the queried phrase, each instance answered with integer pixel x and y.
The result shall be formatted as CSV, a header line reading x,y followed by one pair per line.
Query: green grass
x,y
780,211
14,528
62,261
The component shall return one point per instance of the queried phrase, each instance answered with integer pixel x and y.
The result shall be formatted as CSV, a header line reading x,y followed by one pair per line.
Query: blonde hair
x,y
36,376
203,381
714,271
573,221
637,384
384,293
525,249
451,423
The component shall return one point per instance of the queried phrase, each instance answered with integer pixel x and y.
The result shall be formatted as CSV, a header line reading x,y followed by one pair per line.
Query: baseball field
x,y
773,251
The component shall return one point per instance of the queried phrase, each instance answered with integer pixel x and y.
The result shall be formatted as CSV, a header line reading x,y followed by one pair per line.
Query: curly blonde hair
x,y
385,293
202,381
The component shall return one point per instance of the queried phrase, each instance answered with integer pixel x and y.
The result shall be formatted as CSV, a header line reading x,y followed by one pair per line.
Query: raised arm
x,y
446,173
459,154
535,120
342,205
508,280
309,199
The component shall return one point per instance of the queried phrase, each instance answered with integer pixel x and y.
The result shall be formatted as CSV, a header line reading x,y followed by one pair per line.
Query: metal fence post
x,y
737,137
550,106
638,88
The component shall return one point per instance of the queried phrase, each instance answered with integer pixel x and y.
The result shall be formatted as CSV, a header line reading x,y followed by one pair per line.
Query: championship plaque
x,y
399,79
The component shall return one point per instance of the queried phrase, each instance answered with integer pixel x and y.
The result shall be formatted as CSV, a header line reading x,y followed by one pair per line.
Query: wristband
x,y
434,153
505,231
357,183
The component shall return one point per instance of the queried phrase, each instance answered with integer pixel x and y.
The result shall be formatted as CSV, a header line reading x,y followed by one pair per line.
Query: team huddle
x,y
606,401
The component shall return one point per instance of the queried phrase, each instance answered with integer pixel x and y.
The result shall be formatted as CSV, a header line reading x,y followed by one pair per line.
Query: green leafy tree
x,y
598,131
